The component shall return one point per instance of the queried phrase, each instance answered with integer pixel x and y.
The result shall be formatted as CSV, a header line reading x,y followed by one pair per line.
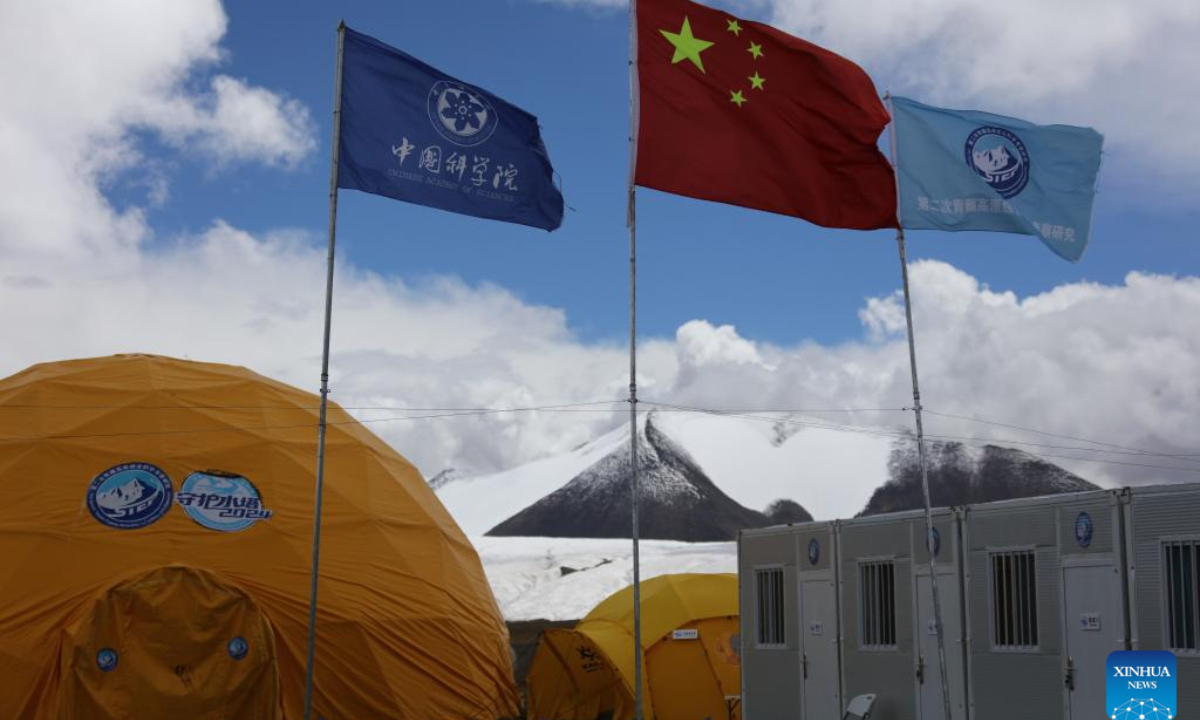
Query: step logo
x,y
1141,685
130,496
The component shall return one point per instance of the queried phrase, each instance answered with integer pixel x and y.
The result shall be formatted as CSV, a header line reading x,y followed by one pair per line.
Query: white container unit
x,y
1162,545
1044,580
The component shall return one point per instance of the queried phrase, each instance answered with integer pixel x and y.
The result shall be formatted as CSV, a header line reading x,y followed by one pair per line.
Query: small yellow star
x,y
735,97
755,50
734,27
756,82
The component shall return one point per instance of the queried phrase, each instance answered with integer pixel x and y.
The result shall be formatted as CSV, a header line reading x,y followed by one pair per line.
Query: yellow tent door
x,y
172,643
572,679
690,672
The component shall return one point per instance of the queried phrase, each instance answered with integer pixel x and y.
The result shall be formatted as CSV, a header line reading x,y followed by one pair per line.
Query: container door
x,y
820,694
1095,626
929,683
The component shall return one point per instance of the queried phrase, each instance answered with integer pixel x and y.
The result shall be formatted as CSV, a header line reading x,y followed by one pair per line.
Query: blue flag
x,y
413,133
967,170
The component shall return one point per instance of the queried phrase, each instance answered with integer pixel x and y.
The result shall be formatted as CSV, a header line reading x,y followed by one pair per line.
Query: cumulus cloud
x,y
80,79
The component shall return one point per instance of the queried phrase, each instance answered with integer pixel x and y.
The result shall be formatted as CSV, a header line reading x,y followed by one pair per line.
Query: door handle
x,y
804,664
1069,680
921,669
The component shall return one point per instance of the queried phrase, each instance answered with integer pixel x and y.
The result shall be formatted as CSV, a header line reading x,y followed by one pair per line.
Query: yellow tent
x,y
692,664
155,545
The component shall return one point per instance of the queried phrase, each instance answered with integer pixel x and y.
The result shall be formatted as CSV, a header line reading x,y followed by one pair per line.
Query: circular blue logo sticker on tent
x,y
226,502
130,496
238,647
934,543
814,551
461,113
1084,529
1000,158
106,659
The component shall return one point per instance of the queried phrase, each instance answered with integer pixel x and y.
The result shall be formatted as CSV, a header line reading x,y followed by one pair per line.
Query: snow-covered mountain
x,y
833,473
753,461
963,475
678,500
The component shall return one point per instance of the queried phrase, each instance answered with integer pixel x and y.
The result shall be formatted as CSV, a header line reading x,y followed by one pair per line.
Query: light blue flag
x,y
968,170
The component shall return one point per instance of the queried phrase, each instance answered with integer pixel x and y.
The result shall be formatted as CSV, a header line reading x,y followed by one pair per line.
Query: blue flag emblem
x,y
413,133
968,170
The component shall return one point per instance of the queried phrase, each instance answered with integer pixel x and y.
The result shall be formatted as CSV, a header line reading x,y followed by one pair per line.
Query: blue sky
x,y
777,279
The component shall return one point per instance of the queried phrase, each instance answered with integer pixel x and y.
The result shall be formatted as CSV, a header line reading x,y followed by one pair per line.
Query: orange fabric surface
x,y
683,679
407,624
174,627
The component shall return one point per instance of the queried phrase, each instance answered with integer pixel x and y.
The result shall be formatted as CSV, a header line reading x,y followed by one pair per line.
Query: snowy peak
x,y
678,500
962,475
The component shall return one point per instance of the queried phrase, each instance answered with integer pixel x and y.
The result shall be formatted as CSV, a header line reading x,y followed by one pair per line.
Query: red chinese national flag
x,y
741,113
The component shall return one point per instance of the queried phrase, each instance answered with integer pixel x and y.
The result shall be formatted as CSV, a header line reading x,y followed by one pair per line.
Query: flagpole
x,y
635,487
916,388
321,424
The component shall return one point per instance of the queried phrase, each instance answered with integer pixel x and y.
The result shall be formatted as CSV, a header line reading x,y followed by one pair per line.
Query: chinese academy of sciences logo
x,y
461,114
1141,685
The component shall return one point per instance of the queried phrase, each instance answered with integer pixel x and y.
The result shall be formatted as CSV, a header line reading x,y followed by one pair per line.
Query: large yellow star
x,y
687,46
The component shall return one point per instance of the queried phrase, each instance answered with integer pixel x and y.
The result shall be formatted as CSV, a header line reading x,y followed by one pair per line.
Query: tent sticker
x,y
222,501
130,496
106,660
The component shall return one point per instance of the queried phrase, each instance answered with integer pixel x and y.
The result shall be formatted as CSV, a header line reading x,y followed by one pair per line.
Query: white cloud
x,y
80,78
236,123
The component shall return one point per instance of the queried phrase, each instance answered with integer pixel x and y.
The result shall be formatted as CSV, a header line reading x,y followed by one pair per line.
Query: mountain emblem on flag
x,y
461,114
1000,158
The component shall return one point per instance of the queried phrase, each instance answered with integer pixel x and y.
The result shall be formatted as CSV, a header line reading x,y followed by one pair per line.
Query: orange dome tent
x,y
155,545
690,652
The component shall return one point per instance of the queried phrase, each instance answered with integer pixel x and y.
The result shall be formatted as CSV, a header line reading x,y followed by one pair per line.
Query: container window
x,y
877,604
768,583
1014,600
1180,577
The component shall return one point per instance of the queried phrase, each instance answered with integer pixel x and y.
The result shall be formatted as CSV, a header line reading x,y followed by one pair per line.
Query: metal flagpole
x,y
321,425
912,360
635,487
635,491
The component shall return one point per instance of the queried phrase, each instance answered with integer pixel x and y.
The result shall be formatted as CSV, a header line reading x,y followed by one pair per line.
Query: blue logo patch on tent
x,y
130,496
238,647
226,502
814,551
106,659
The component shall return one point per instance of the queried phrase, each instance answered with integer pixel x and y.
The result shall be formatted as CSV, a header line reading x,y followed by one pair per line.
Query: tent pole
x,y
321,425
916,388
